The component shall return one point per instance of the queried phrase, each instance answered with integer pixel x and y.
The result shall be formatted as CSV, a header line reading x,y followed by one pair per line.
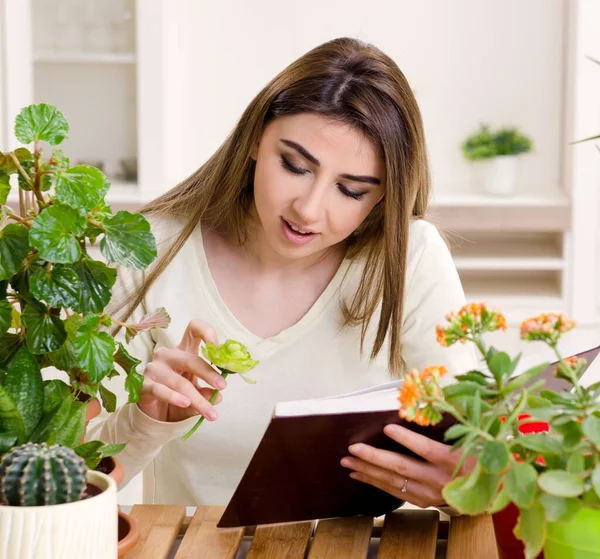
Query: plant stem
x,y
213,397
19,220
95,223
20,168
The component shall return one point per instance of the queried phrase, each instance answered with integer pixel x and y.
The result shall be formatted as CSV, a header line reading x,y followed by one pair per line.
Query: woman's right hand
x,y
170,391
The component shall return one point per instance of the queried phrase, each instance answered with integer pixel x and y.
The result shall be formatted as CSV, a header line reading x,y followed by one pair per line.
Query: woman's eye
x,y
351,193
285,163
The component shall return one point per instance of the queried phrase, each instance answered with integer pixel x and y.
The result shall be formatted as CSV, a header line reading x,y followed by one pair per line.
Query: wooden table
x,y
166,532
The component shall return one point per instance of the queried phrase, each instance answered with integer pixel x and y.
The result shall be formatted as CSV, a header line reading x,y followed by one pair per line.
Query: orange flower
x,y
546,327
501,322
441,335
434,371
410,393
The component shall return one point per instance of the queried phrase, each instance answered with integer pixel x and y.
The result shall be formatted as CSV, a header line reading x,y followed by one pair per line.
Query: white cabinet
x,y
103,63
137,75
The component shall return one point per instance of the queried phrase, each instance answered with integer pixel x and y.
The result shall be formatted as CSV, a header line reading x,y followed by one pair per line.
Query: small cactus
x,y
36,474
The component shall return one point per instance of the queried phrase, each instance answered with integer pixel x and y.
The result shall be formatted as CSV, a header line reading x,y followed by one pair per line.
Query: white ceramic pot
x,y
82,529
498,176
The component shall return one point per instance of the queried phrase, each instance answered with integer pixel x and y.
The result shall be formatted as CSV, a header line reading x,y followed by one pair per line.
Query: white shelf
x,y
84,58
509,252
553,197
513,263
539,289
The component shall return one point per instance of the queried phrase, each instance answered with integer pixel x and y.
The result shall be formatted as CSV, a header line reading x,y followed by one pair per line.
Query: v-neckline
x,y
231,323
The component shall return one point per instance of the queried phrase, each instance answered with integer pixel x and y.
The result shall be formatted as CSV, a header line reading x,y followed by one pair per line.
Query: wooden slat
x,y
342,537
471,536
281,541
411,534
159,526
203,540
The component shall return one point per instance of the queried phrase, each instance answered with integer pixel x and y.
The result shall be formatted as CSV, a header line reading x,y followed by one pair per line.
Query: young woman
x,y
302,237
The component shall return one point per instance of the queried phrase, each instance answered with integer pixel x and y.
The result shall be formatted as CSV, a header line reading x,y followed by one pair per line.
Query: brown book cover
x,y
295,472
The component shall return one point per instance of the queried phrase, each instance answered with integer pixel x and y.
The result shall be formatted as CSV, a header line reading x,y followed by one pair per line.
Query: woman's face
x,y
315,182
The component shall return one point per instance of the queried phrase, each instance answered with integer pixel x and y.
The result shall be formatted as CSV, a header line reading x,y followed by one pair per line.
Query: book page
x,y
377,398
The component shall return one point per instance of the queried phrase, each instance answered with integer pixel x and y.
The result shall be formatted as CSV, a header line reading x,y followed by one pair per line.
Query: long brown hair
x,y
351,82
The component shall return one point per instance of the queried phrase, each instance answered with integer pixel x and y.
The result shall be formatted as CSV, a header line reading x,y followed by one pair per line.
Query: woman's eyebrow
x,y
310,157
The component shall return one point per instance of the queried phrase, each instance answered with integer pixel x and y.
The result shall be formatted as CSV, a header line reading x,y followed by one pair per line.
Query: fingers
x,y
392,468
185,362
417,493
430,450
166,385
196,332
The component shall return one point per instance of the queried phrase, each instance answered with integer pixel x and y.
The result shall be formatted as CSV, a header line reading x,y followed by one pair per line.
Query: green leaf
x,y
11,422
455,432
501,501
4,187
133,385
518,382
475,376
94,349
472,494
7,163
458,390
97,280
125,360
54,233
41,122
53,419
591,428
25,386
45,331
90,452
9,345
596,480
536,402
128,240
14,247
501,366
575,463
531,529
112,449
559,509
556,398
561,483
520,484
81,187
6,313
109,399
73,429
58,287
494,457
7,442
540,442
64,357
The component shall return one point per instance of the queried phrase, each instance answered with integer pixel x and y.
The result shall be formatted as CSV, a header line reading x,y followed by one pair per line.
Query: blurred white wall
x,y
468,60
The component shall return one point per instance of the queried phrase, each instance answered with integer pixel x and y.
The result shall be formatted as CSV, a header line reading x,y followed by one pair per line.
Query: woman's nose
x,y
311,205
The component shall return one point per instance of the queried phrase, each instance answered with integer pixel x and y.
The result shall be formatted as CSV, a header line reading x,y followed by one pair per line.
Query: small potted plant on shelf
x,y
495,158
536,453
53,296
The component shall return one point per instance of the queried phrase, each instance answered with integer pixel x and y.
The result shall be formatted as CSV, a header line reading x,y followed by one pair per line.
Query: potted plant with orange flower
x,y
551,477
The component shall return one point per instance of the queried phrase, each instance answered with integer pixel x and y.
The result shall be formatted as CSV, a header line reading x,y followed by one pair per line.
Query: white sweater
x,y
311,359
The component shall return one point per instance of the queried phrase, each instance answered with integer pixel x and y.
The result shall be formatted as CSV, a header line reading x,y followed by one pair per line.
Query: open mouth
x,y
297,229
296,234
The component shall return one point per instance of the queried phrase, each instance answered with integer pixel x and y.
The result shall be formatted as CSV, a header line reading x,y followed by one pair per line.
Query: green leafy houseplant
x,y
53,294
486,144
552,477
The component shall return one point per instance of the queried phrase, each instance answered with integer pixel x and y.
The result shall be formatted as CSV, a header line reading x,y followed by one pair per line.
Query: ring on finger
x,y
405,486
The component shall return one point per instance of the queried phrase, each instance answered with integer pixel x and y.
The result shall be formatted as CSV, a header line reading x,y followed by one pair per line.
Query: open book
x,y
295,472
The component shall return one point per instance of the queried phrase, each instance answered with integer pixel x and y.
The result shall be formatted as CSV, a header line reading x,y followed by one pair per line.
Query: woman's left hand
x,y
416,481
